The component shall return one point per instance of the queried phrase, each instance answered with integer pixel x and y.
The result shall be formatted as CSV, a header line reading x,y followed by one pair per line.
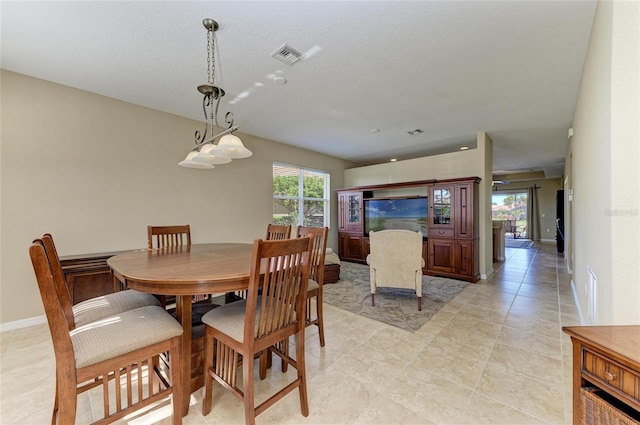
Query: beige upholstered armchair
x,y
396,261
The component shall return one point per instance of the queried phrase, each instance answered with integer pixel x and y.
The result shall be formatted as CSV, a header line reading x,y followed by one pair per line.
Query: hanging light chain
x,y
211,65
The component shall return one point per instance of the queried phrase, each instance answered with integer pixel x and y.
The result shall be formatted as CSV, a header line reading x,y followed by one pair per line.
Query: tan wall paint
x,y
485,146
625,159
604,167
470,163
95,171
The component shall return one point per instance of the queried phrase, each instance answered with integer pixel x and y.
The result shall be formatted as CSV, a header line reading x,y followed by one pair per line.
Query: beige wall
x,y
95,171
605,177
470,163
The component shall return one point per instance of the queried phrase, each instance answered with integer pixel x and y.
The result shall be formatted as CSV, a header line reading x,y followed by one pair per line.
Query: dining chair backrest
x,y
59,281
57,319
277,290
316,270
277,232
168,236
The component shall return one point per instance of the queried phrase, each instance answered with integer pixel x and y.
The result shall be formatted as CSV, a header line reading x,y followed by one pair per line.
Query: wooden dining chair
x,y
316,275
95,308
271,313
314,290
277,232
274,232
115,352
168,236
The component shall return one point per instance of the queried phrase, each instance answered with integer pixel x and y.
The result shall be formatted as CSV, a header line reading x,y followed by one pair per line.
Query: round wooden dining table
x,y
185,271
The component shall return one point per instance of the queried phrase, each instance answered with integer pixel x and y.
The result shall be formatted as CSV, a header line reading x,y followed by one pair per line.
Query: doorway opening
x,y
511,207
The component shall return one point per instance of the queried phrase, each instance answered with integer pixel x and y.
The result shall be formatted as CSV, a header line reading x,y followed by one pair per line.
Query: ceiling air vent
x,y
287,54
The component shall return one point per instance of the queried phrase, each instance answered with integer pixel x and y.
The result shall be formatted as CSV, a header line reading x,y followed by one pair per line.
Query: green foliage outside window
x,y
287,199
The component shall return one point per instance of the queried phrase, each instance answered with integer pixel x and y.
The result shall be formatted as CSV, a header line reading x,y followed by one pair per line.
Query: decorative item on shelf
x,y
206,152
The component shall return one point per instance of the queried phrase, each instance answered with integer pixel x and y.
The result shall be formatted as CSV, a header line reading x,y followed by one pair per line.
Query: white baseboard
x,y
24,323
547,240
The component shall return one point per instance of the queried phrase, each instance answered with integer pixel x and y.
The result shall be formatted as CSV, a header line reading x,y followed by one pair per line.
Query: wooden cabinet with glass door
x,y
453,229
441,197
350,225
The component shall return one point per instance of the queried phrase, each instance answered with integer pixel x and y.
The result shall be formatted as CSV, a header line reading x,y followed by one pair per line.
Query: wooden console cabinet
x,y
606,374
87,275
452,245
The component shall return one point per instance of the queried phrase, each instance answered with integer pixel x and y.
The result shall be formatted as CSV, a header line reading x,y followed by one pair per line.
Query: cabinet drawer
x,y
611,375
441,233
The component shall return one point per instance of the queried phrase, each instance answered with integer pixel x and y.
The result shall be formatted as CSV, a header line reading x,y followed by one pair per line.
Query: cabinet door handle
x,y
610,376
441,232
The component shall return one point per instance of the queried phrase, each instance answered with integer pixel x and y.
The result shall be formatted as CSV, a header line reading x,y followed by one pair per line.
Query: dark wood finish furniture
x,y
269,315
184,272
453,229
350,225
167,236
452,245
122,351
606,358
276,232
331,273
316,273
88,275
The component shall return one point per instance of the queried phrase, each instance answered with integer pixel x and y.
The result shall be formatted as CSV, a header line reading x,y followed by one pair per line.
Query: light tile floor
x,y
495,354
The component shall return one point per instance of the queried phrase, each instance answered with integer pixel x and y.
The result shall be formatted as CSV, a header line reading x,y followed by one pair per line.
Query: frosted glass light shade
x,y
205,156
231,146
190,163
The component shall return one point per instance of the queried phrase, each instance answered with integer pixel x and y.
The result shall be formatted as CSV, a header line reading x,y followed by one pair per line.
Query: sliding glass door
x,y
511,206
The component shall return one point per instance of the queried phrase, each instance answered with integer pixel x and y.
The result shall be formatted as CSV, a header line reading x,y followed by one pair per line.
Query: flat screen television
x,y
396,213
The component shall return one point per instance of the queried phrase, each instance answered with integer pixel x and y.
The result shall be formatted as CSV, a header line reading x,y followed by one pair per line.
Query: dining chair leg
x,y
55,403
67,400
176,380
319,313
265,362
302,375
284,347
248,388
208,379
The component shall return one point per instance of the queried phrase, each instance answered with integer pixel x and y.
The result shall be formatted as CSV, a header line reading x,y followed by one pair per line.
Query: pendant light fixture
x,y
206,152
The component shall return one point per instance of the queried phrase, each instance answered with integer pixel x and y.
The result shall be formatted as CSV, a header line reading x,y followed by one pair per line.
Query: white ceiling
x,y
450,68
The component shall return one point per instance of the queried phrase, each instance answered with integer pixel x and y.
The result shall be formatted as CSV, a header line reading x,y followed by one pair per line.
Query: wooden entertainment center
x,y
451,247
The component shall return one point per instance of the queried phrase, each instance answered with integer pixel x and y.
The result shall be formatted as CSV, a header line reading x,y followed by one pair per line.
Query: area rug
x,y
394,306
518,243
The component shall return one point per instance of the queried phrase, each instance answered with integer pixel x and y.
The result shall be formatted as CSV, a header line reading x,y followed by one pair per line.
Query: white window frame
x,y
301,198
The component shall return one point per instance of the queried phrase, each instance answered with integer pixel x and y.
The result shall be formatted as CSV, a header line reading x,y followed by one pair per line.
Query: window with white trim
x,y
300,196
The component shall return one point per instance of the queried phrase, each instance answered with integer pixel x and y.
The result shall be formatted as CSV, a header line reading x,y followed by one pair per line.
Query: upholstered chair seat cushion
x,y
122,333
313,285
229,318
107,305
331,257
